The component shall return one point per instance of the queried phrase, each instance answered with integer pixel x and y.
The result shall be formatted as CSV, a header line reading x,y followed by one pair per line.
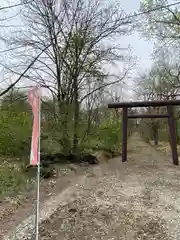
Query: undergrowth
x,y
12,178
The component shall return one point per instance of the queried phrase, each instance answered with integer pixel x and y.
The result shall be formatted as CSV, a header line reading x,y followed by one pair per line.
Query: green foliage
x,y
163,131
57,127
109,134
15,133
12,180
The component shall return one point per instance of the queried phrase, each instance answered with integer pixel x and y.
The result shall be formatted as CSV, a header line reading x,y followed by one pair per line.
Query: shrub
x,y
109,134
15,134
11,177
106,137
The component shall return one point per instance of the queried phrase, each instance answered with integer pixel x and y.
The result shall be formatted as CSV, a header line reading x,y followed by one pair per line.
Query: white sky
x,y
141,48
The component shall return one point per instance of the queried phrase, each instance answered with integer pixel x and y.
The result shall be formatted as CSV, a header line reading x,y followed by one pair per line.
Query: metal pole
x,y
38,178
37,203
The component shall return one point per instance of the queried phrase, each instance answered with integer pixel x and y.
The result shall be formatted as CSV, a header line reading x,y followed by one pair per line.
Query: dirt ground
x,y
139,199
15,209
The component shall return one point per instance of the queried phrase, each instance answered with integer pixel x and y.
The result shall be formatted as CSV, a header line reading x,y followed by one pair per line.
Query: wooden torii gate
x,y
170,115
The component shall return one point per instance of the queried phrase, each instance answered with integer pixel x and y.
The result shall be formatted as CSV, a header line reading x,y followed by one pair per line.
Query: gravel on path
x,y
139,199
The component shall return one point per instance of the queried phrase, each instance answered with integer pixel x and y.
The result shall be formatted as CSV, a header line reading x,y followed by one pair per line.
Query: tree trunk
x,y
76,118
156,136
177,132
65,139
89,122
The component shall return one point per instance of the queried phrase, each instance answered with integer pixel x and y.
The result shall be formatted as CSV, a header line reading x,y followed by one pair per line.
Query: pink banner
x,y
34,100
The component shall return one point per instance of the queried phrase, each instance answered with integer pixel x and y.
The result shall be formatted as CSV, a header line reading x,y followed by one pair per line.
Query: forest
x,y
72,50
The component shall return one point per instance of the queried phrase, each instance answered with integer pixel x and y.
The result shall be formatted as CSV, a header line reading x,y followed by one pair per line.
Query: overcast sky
x,y
141,48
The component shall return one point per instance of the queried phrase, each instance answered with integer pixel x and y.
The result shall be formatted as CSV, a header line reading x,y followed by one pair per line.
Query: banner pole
x,y
38,177
37,202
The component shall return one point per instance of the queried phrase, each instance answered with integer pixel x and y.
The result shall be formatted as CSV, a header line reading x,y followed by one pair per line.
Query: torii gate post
x,y
172,131
124,133
171,122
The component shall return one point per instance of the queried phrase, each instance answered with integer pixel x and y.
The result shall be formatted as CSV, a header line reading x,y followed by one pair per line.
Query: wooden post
x,y
124,133
172,131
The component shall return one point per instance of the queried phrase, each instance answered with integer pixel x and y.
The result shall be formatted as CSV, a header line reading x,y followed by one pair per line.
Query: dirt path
x,y
14,210
139,199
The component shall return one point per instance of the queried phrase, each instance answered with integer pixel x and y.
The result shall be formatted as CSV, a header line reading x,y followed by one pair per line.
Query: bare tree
x,y
162,24
66,46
